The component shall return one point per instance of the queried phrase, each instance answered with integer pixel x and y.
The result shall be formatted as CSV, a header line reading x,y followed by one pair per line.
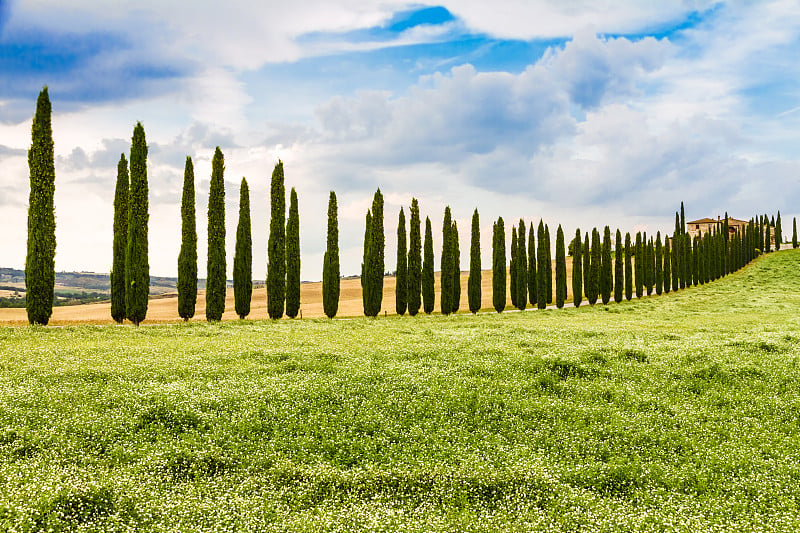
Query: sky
x,y
582,113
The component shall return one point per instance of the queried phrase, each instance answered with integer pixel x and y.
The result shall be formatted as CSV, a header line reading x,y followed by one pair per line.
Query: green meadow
x,y
673,413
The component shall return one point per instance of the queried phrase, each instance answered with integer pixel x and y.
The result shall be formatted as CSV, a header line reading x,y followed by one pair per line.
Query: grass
x,y
670,413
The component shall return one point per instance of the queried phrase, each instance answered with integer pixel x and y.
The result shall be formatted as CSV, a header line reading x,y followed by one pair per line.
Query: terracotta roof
x,y
704,221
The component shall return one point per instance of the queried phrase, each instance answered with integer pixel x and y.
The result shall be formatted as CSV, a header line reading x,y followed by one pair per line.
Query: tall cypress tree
x,y
512,267
293,257
548,264
541,268
401,273
137,267
216,274
531,266
187,258
522,268
121,239
455,269
446,276
587,266
687,262
243,257
378,265
594,272
667,265
778,232
276,245
330,263
794,232
696,261
639,266
577,270
606,271
428,294
628,268
474,280
674,263
659,271
499,265
366,287
648,264
40,259
414,285
619,277
561,269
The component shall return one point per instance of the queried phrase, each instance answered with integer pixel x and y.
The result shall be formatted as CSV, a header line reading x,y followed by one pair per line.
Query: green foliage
x,y
293,257
512,268
778,232
499,265
428,294
619,276
276,245
455,269
639,265
587,265
474,280
522,268
794,232
649,267
675,263
659,265
401,280
243,256
374,259
121,240
41,250
548,264
594,268
330,265
187,257
446,264
577,269
532,265
216,272
606,271
541,267
561,269
137,266
414,285
628,268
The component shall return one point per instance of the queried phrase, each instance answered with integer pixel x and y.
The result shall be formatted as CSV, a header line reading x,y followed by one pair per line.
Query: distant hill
x,y
91,281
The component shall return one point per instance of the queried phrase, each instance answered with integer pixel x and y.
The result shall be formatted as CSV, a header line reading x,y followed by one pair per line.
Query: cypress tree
x,y
587,265
446,276
541,268
121,239
522,268
561,269
594,272
455,269
378,265
401,273
474,280
216,270
778,232
276,245
659,269
794,232
548,264
137,267
414,285
667,265
606,271
366,287
293,257
619,277
683,222
243,257
628,268
499,265
187,258
577,271
687,261
639,266
531,266
512,267
330,263
725,235
674,264
428,294
41,245
648,264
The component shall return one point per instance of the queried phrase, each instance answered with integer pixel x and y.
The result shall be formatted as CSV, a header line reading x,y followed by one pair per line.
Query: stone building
x,y
705,225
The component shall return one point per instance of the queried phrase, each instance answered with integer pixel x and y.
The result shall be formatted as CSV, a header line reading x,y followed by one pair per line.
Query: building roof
x,y
731,220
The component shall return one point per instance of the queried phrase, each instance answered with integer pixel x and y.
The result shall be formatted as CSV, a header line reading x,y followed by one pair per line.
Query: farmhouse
x,y
702,226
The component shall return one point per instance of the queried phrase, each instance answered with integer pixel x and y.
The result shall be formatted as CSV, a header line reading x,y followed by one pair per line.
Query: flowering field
x,y
679,412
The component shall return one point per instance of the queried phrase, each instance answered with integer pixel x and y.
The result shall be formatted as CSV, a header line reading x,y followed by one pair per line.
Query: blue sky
x,y
581,113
